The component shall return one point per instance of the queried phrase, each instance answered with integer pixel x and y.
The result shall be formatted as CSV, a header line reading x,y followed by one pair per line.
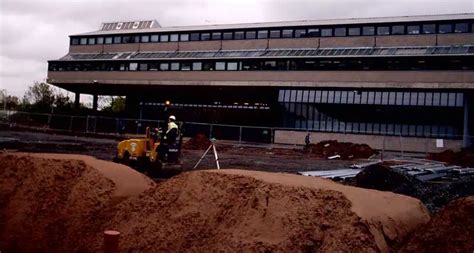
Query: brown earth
x,y
63,205
464,158
346,150
198,142
450,230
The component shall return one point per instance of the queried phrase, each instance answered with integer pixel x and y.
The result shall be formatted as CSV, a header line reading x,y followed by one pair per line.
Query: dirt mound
x,y
346,150
55,205
464,158
198,142
450,230
383,178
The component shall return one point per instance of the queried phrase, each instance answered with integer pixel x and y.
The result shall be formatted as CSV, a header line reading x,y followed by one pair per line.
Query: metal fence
x,y
128,126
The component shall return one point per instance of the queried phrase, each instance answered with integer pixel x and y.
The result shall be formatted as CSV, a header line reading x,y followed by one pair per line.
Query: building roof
x,y
460,16
467,50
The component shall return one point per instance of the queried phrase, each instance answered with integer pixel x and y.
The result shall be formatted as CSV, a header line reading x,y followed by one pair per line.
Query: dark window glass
x,y
445,28
413,29
251,35
174,37
164,38
227,35
127,39
184,37
153,66
145,39
461,28
340,31
354,31
398,29
300,33
287,33
275,34
154,38
117,39
269,65
217,36
186,66
208,66
368,30
383,30
108,40
263,34
205,36
75,41
91,41
472,27
429,28
84,41
239,35
100,40
143,67
313,33
194,37
327,32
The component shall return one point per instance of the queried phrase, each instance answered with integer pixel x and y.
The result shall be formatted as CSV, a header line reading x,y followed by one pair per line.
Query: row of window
x,y
406,63
444,99
342,31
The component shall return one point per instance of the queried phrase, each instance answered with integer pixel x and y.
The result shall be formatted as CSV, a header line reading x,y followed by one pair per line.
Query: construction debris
x,y
345,150
332,174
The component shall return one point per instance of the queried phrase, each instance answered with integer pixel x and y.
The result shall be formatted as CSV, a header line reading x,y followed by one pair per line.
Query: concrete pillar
x,y
468,120
95,99
77,98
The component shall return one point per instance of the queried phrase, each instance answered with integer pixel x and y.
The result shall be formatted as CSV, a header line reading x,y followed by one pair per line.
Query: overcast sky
x,y
32,32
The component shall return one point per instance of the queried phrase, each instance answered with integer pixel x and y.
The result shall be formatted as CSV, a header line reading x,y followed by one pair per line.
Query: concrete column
x,y
95,99
77,98
468,120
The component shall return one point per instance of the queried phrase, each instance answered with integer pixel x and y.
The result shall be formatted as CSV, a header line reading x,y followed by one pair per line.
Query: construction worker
x,y
169,137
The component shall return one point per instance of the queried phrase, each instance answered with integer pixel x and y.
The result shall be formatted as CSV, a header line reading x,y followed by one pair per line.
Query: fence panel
x,y
256,134
60,122
222,132
192,129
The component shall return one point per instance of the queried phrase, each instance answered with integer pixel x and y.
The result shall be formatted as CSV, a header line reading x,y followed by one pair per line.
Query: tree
x,y
39,97
114,104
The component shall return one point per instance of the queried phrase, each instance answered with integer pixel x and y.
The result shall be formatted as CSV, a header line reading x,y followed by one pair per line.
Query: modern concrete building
x,y
352,79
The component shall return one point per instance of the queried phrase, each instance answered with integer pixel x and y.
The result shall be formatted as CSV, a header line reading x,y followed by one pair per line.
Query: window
x,y
220,65
153,66
186,66
174,37
287,33
194,36
227,36
461,28
269,65
133,66
398,29
313,33
445,28
208,66
413,29
91,41
250,35
108,40
429,28
205,36
239,35
232,65
354,31
197,66
275,34
84,41
300,33
184,37
340,31
143,66
368,30
327,32
383,30
117,40
164,66
145,39
154,38
263,34
127,39
100,40
164,38
75,41
175,66
216,36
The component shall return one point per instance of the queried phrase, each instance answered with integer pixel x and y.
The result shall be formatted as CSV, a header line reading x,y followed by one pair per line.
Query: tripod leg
x,y
215,155
202,157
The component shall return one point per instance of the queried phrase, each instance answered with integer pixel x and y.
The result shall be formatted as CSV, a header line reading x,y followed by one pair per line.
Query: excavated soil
x,y
346,150
198,142
63,205
464,158
450,230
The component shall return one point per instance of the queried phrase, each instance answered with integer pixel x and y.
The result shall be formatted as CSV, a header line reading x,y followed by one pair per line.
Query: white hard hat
x,y
172,117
